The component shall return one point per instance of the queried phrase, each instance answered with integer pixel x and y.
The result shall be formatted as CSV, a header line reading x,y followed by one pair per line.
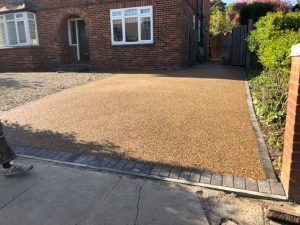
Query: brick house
x,y
108,34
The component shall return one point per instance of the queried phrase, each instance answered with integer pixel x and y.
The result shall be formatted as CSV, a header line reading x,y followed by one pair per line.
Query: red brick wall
x,y
20,59
290,175
171,21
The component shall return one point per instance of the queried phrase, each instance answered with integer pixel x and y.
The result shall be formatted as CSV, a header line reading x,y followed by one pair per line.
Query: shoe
x,y
17,169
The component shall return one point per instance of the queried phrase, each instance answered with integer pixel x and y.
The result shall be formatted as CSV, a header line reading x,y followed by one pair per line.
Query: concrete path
x,y
58,195
196,119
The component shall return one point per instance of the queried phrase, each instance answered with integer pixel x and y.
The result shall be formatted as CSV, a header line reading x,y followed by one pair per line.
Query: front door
x,y
78,36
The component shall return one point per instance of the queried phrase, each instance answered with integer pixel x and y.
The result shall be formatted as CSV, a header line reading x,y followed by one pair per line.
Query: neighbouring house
x,y
107,34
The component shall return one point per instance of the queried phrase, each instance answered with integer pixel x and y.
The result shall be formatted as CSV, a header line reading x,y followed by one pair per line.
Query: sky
x,y
231,1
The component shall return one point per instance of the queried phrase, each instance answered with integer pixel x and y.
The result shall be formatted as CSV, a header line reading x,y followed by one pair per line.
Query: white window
x,y
132,26
194,22
18,29
72,29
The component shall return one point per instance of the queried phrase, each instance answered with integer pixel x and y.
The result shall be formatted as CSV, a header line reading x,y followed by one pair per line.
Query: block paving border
x,y
269,189
261,144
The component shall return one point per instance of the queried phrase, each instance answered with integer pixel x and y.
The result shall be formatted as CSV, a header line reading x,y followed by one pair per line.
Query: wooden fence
x,y
236,51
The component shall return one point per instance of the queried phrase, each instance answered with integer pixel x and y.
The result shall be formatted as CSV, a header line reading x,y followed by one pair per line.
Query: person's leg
x,y
6,153
6,157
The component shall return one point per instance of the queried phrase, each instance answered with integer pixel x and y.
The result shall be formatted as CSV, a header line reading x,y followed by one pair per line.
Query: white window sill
x,y
19,46
131,43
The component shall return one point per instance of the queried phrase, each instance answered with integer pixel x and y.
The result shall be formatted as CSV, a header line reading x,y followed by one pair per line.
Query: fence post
x,y
248,56
290,174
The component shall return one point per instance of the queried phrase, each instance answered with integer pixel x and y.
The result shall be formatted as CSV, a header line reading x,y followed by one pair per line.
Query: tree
x,y
220,17
218,4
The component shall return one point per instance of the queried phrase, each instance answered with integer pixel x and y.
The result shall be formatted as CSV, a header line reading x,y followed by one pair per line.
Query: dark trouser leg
x,y
6,153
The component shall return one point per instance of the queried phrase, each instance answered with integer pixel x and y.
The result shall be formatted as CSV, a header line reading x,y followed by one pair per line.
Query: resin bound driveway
x,y
196,118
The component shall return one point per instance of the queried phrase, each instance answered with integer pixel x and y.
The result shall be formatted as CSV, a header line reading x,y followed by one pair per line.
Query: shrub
x,y
273,38
271,41
244,10
255,10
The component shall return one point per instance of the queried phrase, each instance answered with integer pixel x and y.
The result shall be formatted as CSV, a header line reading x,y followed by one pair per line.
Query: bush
x,y
271,41
269,93
244,10
273,38
255,10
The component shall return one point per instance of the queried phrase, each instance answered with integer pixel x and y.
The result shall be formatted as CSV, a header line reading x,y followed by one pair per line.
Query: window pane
x,y
117,29
31,16
73,32
10,17
145,11
146,28
12,33
131,12
19,15
2,34
117,13
131,28
32,32
21,30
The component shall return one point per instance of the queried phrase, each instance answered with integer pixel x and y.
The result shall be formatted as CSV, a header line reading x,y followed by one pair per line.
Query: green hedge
x,y
273,38
271,41
254,11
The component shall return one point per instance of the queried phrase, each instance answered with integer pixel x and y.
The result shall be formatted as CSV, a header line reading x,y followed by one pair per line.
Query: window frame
x,y
139,15
25,18
70,30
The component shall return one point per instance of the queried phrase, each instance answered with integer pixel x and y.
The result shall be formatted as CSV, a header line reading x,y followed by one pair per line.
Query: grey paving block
x,y
89,159
59,155
138,167
205,177
195,176
81,159
45,155
65,157
185,175
216,179
277,188
101,161
147,168
228,181
51,154
239,182
165,171
72,157
264,186
129,166
113,163
156,169
97,161
251,185
25,150
40,153
20,149
175,173
120,164
33,151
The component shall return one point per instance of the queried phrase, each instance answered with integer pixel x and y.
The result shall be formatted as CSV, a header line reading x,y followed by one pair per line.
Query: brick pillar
x,y
290,174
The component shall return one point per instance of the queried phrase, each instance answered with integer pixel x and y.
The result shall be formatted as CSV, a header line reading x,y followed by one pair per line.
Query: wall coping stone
x,y
295,50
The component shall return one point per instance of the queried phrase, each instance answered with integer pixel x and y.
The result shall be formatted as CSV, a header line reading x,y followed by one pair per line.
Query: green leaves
x,y
273,38
269,92
219,20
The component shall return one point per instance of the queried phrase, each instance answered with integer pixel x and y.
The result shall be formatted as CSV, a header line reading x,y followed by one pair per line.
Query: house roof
x,y
17,6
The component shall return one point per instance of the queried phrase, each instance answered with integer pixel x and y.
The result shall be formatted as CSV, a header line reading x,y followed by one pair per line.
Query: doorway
x,y
78,37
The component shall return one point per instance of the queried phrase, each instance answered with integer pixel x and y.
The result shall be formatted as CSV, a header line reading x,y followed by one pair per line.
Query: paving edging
x,y
244,186
263,150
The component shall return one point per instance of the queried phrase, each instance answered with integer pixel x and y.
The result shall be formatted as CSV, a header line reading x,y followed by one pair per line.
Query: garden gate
x,y
240,56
